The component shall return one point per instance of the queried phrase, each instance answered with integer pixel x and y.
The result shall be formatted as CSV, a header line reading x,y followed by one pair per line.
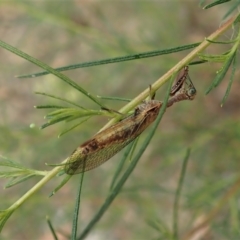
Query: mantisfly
x,y
110,141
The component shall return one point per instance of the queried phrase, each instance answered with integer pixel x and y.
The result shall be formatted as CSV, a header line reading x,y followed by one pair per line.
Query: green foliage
x,y
228,58
216,3
51,228
118,59
205,200
19,175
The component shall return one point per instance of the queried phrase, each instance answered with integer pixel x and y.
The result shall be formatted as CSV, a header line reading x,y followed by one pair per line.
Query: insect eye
x,y
192,92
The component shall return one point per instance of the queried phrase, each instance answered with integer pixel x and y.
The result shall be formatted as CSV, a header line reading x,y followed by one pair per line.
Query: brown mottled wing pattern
x,y
107,143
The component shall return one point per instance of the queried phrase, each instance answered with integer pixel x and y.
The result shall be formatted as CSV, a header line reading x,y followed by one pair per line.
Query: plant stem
x,y
176,68
35,188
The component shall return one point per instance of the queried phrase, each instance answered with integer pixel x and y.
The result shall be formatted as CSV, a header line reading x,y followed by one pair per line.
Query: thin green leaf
x,y
63,182
133,149
115,98
13,173
197,62
128,171
213,58
51,228
120,165
17,173
70,114
221,42
217,80
117,59
216,3
50,70
4,215
177,195
50,106
53,122
72,127
10,163
234,66
59,98
17,180
72,118
61,172
77,113
76,211
66,112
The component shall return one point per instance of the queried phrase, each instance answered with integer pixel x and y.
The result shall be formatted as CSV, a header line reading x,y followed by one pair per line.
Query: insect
x,y
107,143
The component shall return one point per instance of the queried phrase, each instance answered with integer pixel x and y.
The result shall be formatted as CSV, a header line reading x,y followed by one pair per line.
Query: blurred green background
x,y
61,33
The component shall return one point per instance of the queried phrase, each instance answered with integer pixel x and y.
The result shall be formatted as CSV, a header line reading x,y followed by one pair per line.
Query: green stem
x,y
176,68
34,189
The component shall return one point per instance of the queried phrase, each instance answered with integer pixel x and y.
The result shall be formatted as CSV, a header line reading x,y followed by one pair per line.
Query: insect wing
x,y
180,79
78,162
110,141
189,88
